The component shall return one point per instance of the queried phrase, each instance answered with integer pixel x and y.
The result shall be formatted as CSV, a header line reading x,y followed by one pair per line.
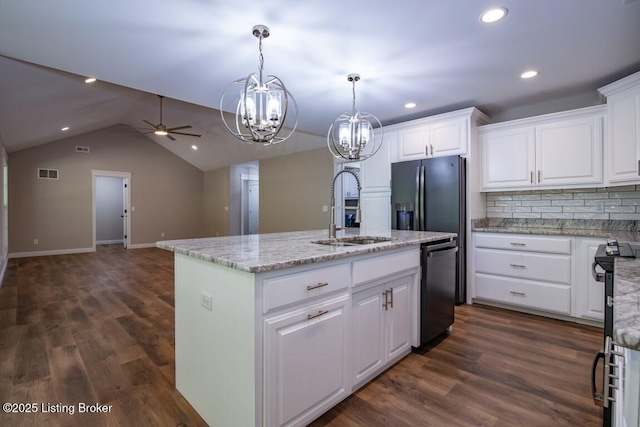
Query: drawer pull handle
x,y
518,266
318,314
319,285
391,301
517,244
520,294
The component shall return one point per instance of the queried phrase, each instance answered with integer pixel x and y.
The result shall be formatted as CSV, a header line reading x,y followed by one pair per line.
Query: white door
x,y
125,211
398,317
367,334
254,206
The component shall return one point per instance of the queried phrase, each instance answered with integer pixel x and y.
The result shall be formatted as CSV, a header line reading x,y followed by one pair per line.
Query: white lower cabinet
x,y
547,274
381,327
306,362
528,271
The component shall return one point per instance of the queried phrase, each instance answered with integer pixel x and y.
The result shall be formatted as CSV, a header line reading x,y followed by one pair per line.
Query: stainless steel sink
x,y
353,241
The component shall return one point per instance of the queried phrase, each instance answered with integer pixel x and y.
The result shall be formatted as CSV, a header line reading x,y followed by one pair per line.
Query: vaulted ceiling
x,y
432,52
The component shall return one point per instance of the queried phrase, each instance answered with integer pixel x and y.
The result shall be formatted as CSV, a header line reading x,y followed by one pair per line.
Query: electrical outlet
x,y
206,301
161,234
35,241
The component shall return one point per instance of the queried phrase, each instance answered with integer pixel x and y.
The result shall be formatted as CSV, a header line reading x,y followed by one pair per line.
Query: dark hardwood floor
x,y
99,328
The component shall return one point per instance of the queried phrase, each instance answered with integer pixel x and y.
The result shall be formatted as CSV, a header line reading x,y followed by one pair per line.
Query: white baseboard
x,y
53,252
109,242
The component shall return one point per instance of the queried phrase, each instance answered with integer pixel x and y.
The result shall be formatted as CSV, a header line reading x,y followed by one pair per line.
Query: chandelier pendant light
x,y
356,136
262,106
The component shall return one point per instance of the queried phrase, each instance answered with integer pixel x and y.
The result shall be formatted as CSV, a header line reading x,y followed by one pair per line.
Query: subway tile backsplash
x,y
609,203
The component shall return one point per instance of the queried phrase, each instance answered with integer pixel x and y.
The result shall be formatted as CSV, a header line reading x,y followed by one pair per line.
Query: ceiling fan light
x,y
262,105
161,133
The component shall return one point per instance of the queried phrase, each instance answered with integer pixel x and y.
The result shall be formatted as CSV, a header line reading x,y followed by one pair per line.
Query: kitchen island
x,y
274,329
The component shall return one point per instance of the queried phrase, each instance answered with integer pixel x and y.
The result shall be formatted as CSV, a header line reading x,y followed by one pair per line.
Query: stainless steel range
x,y
610,355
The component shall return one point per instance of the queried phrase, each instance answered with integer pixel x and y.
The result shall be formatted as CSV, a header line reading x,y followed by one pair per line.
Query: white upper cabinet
x,y
560,150
623,130
436,136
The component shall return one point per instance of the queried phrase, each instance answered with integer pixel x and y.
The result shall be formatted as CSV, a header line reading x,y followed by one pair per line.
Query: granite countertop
x,y
624,231
626,302
264,252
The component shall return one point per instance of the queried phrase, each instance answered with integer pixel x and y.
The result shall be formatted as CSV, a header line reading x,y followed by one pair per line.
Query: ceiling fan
x,y
161,130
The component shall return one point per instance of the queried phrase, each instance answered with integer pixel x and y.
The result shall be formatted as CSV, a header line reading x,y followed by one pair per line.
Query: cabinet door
x,y
398,313
367,333
413,143
589,293
349,183
448,138
569,152
375,172
508,158
624,139
306,362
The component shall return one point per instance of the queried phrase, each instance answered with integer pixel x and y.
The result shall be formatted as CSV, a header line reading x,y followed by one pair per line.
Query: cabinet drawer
x,y
284,290
525,293
384,265
526,265
517,242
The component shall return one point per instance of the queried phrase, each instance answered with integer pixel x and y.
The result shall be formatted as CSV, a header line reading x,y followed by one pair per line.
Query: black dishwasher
x,y
437,288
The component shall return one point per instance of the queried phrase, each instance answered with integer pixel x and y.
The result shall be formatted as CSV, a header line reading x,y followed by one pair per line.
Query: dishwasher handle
x,y
441,252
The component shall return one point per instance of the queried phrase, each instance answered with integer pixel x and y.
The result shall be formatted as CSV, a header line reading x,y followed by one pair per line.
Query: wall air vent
x,y
81,149
48,173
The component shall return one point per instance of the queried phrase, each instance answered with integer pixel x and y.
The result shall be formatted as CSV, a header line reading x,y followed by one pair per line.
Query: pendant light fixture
x,y
262,106
352,137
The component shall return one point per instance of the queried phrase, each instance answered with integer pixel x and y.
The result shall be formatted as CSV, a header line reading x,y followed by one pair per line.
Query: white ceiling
x,y
435,53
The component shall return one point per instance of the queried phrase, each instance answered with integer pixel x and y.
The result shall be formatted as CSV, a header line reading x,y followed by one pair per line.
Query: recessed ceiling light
x,y
195,147
90,80
493,15
410,105
64,129
528,74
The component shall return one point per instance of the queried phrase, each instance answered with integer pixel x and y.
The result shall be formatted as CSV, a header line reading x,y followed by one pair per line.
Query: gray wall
x,y
293,189
166,191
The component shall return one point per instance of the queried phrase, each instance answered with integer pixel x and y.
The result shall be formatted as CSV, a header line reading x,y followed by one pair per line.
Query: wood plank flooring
x,y
99,328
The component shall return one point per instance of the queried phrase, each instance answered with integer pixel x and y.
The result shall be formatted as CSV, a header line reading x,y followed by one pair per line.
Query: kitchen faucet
x,y
332,226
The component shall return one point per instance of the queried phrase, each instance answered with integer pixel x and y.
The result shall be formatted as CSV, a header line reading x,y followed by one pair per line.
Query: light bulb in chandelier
x,y
260,106
354,136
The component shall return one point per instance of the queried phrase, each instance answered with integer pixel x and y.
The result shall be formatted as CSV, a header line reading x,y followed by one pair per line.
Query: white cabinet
x,y
350,184
381,327
306,366
589,293
552,151
534,272
623,120
436,136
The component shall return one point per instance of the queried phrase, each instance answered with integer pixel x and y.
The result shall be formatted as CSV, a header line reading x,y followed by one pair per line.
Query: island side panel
x,y
216,350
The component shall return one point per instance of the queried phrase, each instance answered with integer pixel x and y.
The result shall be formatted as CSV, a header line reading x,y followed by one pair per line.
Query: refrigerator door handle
x,y
416,225
423,212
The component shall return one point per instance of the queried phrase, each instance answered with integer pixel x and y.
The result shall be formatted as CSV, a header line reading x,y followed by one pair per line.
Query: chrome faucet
x,y
332,226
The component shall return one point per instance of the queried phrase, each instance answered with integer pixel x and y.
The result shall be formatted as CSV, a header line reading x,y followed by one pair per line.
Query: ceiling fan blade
x,y
170,137
179,127
150,124
188,134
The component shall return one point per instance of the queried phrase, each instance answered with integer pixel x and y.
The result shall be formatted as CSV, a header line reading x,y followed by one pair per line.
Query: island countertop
x,y
626,302
257,253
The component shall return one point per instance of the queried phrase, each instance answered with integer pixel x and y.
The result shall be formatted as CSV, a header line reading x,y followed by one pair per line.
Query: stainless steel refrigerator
x,y
430,195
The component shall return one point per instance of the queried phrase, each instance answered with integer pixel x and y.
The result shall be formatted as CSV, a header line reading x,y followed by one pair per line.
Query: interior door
x,y
254,206
125,212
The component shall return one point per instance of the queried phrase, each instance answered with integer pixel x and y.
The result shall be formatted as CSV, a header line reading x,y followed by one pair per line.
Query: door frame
x,y
127,203
245,179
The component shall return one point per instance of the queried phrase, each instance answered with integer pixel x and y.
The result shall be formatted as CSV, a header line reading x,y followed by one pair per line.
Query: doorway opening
x,y
111,206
